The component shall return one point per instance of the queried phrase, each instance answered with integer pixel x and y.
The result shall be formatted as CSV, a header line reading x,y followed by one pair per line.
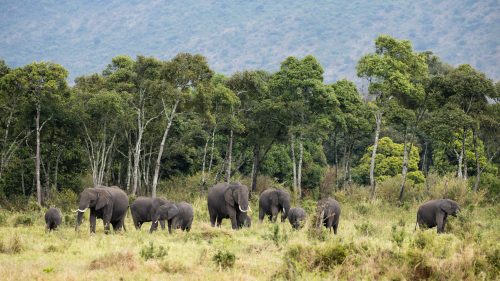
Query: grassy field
x,y
375,241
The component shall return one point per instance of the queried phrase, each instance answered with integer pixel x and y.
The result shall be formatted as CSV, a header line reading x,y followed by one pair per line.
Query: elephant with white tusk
x,y
107,203
273,201
228,200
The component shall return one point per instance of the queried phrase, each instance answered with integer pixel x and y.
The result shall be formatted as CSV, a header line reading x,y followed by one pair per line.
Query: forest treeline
x,y
143,121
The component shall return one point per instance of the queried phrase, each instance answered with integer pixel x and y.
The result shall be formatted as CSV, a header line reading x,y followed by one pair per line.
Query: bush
x,y
173,267
224,259
322,257
13,246
398,235
65,199
24,219
120,260
3,218
152,252
276,235
365,228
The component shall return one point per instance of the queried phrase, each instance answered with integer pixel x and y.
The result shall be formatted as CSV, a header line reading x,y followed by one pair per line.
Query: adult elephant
x,y
273,201
167,211
228,200
435,212
328,211
107,203
144,208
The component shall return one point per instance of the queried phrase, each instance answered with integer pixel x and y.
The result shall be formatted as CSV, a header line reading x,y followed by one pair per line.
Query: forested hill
x,y
83,36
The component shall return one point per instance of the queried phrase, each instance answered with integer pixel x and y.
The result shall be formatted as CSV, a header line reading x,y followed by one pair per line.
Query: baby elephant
x,y
297,217
329,214
184,217
52,218
434,213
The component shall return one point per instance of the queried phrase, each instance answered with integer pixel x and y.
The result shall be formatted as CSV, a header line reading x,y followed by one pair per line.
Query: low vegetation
x,y
376,240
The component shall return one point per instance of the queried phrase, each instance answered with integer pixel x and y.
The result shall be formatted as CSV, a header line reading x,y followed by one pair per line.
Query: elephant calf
x,y
297,217
273,201
184,218
329,213
52,218
144,208
166,212
434,213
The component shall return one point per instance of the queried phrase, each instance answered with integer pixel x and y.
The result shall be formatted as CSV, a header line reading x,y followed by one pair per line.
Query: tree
x,y
43,83
394,71
305,105
180,77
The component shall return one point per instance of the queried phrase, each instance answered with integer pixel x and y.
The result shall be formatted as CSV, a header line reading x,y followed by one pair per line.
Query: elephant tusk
x,y
81,211
244,211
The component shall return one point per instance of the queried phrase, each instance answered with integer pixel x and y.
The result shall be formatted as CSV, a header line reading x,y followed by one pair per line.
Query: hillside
x,y
84,35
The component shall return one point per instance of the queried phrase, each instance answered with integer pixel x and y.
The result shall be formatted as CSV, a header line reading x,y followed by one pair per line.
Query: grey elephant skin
x,y
165,212
107,203
52,218
297,217
144,208
273,201
228,200
184,219
330,209
435,212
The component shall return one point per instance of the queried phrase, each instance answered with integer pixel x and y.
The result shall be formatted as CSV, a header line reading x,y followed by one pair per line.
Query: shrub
x,y
398,235
276,235
330,255
24,219
64,199
173,266
120,260
13,246
3,218
362,208
365,228
152,252
224,259
322,257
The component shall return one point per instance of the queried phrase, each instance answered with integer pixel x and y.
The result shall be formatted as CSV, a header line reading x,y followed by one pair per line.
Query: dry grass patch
x,y
119,260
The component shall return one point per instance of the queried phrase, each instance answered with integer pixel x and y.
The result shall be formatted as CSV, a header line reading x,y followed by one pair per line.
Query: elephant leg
x,y
440,221
274,214
219,221
329,223
162,224
154,225
232,215
261,215
213,218
169,226
335,226
92,221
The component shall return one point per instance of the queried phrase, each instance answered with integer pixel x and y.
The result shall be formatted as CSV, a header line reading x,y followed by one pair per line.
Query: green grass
x,y
375,241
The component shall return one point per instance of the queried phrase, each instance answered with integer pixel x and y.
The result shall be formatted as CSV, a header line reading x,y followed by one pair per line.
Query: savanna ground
x,y
376,241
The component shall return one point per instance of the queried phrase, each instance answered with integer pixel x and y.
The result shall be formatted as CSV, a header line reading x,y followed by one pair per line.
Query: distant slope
x,y
235,35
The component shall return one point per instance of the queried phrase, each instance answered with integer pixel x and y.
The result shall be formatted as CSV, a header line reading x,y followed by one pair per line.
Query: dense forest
x,y
144,122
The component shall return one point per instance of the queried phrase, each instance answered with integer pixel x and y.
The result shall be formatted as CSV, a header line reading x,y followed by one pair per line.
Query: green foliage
x,y
12,246
388,162
398,235
277,234
24,219
224,259
365,228
152,252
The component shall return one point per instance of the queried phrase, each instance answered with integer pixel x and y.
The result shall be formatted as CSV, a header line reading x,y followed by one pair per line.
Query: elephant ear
x,y
103,199
447,206
229,197
173,211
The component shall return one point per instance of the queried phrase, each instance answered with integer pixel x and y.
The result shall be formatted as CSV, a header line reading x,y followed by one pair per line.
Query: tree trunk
x,y
299,169
57,168
378,121
210,163
478,167
461,157
255,167
37,157
336,161
294,164
129,163
170,118
203,179
229,156
404,171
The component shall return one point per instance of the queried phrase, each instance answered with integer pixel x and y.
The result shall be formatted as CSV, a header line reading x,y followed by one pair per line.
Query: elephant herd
x,y
225,200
